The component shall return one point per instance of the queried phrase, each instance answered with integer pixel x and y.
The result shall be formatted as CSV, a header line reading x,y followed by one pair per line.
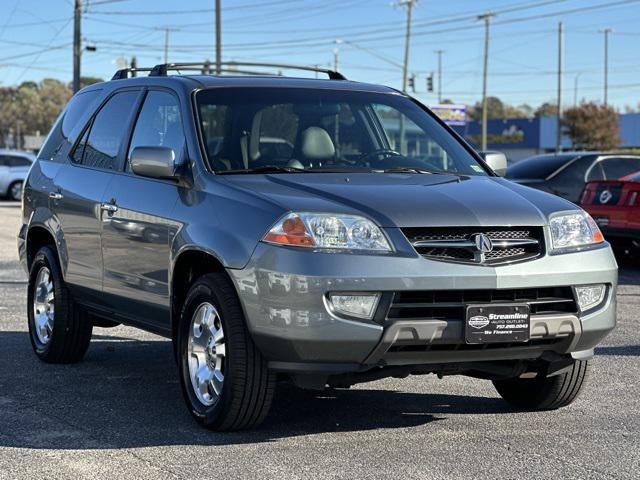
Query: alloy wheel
x,y
207,352
16,191
43,306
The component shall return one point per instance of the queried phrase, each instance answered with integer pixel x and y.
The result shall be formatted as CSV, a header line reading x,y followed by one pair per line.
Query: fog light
x,y
590,296
354,305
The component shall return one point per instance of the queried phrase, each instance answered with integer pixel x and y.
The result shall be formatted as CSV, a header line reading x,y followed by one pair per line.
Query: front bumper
x,y
282,292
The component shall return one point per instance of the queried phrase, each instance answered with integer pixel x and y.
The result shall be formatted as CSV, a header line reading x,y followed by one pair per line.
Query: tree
x,y
495,109
592,126
547,109
527,110
85,81
31,108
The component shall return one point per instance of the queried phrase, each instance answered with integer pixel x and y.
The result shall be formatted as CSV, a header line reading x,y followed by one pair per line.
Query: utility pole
x,y
486,17
77,47
439,52
166,45
405,68
575,89
559,112
606,33
336,59
407,42
218,39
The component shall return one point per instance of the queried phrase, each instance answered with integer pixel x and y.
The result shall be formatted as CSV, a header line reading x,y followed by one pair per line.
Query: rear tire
x,y
60,331
545,393
225,380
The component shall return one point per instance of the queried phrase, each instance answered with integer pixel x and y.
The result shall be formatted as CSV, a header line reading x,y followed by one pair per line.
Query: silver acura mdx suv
x,y
326,232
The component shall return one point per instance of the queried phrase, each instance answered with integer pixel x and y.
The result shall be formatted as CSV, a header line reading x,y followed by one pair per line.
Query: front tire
x,y
15,191
225,380
60,332
545,393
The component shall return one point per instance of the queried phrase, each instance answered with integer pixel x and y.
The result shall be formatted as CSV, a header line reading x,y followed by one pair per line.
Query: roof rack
x,y
124,72
332,74
162,69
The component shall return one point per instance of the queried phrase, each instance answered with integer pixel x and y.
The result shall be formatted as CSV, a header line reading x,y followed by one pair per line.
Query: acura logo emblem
x,y
483,243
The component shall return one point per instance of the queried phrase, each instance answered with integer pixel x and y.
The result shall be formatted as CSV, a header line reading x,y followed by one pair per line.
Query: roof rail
x,y
163,68
123,73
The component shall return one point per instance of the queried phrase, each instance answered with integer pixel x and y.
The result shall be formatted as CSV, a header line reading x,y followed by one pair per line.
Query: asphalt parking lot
x,y
120,414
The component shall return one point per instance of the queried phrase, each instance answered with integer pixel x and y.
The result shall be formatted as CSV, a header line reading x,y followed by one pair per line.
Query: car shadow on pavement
x,y
628,273
126,394
620,350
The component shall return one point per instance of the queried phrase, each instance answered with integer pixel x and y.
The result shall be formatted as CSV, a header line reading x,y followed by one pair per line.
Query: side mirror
x,y
154,162
496,160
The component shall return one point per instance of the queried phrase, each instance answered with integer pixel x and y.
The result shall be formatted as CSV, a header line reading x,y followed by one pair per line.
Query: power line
x,y
194,11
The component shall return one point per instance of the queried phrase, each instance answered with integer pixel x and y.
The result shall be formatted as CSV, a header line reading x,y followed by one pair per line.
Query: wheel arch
x,y
189,264
39,236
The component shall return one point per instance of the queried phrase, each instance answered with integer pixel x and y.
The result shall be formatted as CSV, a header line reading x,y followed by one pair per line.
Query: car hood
x,y
407,200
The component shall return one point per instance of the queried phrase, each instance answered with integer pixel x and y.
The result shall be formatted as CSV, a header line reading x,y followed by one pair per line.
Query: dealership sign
x,y
451,114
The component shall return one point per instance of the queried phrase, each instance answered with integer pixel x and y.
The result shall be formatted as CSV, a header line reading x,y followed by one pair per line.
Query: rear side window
x,y
537,167
596,173
60,133
15,161
615,168
159,124
101,149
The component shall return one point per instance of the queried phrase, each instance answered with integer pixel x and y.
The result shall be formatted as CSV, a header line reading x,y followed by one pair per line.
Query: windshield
x,y
297,130
539,167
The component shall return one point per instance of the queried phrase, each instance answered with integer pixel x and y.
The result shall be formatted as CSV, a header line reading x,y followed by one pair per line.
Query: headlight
x,y
575,229
323,230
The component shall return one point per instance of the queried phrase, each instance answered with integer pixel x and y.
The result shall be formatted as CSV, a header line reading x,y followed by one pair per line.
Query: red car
x,y
615,206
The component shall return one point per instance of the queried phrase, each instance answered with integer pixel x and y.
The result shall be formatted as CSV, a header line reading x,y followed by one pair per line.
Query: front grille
x,y
460,244
451,304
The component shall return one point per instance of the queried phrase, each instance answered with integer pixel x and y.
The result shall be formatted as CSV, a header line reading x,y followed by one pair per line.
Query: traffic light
x,y
430,83
412,83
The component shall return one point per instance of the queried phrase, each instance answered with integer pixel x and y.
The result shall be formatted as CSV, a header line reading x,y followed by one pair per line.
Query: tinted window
x,y
79,105
325,130
108,132
537,167
596,172
615,168
159,124
18,161
4,161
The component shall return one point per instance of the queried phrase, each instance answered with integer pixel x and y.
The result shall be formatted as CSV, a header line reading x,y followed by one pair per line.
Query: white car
x,y
14,166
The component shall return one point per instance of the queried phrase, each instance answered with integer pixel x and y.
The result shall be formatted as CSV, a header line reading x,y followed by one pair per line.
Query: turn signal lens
x,y
290,230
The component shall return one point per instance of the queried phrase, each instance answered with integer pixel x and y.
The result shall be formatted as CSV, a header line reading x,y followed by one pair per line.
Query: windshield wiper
x,y
263,169
407,170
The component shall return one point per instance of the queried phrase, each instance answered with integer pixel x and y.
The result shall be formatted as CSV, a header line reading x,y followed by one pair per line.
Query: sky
x,y
368,36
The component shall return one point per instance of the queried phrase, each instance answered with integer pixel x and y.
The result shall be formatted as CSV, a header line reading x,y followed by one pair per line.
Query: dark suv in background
x,y
567,173
327,232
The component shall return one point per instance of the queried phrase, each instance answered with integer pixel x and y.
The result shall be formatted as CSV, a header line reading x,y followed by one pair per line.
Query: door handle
x,y
55,196
109,208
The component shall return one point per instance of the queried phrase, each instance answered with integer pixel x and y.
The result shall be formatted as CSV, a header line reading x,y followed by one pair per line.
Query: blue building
x,y
519,138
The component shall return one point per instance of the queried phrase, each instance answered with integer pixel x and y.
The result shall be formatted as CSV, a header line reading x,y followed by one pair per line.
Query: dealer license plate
x,y
497,323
